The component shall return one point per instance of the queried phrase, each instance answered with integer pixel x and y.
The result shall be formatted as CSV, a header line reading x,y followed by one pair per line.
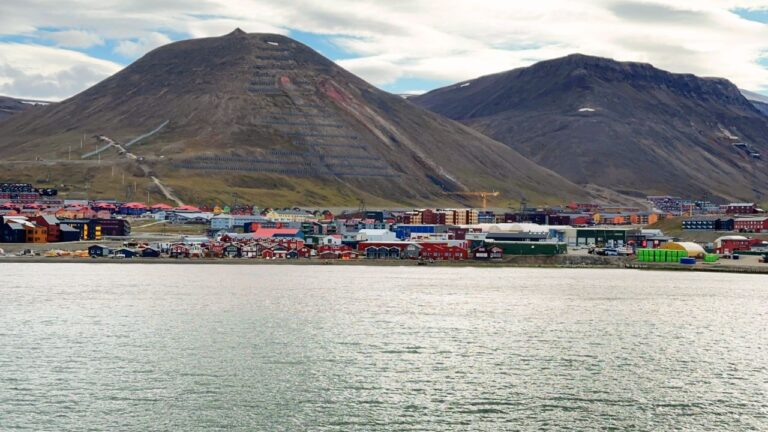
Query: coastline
x,y
556,262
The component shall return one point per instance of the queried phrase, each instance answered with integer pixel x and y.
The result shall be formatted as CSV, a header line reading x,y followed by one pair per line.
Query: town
x,y
107,228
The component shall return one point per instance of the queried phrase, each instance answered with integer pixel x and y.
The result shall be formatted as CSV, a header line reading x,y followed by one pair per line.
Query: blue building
x,y
403,232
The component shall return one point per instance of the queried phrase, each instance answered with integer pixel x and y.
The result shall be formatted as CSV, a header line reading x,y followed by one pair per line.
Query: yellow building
x,y
692,249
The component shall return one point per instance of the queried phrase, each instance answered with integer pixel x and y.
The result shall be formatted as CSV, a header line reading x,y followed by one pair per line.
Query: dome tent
x,y
693,250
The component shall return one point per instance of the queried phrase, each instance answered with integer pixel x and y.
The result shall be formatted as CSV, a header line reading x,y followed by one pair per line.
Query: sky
x,y
53,49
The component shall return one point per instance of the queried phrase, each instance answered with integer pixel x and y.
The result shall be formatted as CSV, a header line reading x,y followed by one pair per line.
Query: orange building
x,y
35,233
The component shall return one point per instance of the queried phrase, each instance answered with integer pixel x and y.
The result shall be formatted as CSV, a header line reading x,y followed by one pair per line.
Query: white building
x,y
376,235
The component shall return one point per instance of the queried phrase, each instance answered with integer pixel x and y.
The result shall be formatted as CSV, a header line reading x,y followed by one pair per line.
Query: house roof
x,y
271,232
50,219
375,231
65,227
187,208
134,205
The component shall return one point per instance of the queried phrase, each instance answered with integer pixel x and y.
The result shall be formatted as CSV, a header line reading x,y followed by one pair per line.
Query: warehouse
x,y
692,249
529,248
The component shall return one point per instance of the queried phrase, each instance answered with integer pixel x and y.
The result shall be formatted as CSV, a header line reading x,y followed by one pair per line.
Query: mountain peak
x,y
267,117
599,121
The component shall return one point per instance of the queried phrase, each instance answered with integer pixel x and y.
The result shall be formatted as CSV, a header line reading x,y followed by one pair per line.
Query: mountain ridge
x,y
596,120
262,115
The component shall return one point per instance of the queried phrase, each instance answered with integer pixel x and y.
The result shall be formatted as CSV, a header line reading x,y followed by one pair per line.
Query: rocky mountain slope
x,y
264,117
10,106
625,126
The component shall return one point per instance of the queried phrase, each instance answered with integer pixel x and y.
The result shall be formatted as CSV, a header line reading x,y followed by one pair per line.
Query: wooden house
x,y
178,250
232,250
98,251
150,252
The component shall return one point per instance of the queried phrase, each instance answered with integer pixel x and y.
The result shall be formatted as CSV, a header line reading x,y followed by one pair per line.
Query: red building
x,y
441,251
731,244
754,224
741,208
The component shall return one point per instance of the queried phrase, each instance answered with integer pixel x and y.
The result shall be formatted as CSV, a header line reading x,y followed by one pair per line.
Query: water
x,y
273,348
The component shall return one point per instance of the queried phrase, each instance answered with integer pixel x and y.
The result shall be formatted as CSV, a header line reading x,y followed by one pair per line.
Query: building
x,y
199,218
389,250
52,225
291,215
731,244
228,222
125,252
442,252
232,250
68,234
376,235
486,253
693,250
518,236
35,233
13,232
98,251
265,233
99,228
133,209
530,248
600,237
751,225
741,208
708,223
150,252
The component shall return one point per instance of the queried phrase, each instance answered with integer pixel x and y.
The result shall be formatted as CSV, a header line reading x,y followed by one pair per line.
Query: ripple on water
x,y
114,347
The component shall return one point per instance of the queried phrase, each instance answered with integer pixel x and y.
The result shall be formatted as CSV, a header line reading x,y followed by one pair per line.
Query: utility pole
x,y
69,153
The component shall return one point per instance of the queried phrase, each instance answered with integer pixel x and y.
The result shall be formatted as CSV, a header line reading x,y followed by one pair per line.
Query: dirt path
x,y
167,192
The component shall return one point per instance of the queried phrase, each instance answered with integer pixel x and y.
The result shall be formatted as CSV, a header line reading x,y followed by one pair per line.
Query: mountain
x,y
758,100
263,118
10,106
628,127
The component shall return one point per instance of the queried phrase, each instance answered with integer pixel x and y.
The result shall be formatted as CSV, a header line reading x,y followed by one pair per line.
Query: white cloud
x,y
450,40
41,72
74,38
141,45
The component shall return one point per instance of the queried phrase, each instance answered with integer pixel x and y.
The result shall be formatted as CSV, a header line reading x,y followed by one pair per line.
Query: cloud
x,y
74,38
41,72
141,45
450,40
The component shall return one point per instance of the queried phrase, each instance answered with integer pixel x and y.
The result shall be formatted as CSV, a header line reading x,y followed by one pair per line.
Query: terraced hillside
x,y
263,118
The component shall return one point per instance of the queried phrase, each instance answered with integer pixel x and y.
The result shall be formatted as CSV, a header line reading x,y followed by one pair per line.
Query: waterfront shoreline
x,y
513,262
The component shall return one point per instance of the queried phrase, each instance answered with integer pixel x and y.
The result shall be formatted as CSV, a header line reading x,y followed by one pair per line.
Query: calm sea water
x,y
284,348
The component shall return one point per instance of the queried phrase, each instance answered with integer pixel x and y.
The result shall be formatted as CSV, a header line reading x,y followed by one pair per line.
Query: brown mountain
x,y
10,106
625,126
264,118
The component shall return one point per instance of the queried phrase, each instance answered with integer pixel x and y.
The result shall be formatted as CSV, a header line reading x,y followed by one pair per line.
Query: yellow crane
x,y
483,195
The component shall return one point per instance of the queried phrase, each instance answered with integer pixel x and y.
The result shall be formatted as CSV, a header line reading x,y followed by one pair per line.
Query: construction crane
x,y
483,195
